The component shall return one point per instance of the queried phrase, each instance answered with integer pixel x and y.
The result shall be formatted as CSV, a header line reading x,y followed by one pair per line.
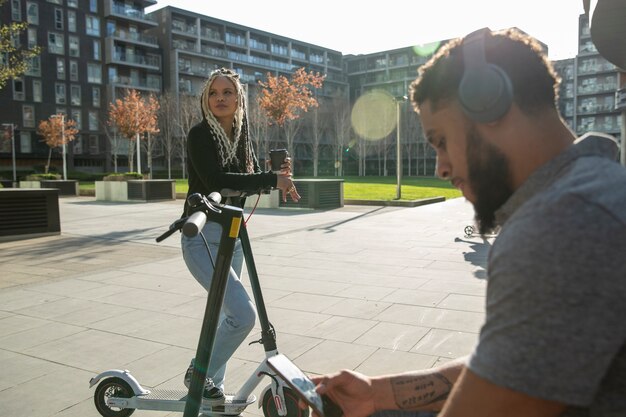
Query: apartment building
x,y
93,50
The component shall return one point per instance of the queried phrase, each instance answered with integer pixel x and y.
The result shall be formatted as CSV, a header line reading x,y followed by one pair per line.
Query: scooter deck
x,y
174,400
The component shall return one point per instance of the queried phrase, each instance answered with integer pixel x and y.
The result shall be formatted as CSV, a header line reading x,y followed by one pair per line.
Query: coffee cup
x,y
277,158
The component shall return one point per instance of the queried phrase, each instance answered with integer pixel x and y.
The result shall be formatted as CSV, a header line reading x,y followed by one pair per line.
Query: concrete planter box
x,y
29,213
271,200
65,187
136,190
317,194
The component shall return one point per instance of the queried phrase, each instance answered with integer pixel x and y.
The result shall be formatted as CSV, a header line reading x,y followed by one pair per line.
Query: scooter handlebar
x,y
194,224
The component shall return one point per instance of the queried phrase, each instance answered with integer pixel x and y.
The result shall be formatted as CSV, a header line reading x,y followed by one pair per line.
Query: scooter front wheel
x,y
291,404
112,387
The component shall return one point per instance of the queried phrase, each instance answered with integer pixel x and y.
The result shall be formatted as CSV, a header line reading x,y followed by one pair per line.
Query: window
x,y
95,96
71,21
18,89
92,25
37,91
76,116
93,6
77,145
16,10
32,37
32,13
75,95
60,68
96,50
56,43
72,3
74,46
94,145
93,120
55,1
34,66
58,19
28,116
94,73
26,145
59,93
73,70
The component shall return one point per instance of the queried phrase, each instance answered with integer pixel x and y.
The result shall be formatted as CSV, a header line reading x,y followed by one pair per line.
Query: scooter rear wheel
x,y
112,387
291,403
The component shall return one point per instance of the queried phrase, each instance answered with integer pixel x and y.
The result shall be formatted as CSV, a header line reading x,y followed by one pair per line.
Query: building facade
x,y
94,50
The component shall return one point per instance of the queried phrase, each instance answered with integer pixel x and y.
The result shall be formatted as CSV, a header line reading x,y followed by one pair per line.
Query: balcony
x,y
149,62
136,15
135,38
152,84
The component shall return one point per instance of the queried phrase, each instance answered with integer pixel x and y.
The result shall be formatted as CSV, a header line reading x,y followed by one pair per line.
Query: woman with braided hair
x,y
220,156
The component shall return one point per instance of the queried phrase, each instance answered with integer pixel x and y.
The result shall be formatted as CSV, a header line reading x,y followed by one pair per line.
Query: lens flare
x,y
426,49
374,115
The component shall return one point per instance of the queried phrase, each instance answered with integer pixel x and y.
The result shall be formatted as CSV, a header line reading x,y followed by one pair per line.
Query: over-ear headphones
x,y
485,91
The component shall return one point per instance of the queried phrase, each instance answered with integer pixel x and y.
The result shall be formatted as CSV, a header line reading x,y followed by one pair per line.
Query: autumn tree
x,y
57,131
14,60
285,100
134,116
152,106
168,126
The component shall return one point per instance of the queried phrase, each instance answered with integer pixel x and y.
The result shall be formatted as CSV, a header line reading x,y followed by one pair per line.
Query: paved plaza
x,y
374,289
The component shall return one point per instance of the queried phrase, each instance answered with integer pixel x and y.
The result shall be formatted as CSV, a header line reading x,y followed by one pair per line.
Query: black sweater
x,y
206,175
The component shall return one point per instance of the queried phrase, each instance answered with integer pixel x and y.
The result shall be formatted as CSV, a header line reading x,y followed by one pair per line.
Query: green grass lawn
x,y
370,188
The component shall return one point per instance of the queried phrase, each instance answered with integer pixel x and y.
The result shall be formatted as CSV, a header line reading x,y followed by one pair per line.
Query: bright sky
x,y
362,27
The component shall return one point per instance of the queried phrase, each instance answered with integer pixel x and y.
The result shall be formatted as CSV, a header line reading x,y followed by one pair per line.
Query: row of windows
x,y
19,93
29,119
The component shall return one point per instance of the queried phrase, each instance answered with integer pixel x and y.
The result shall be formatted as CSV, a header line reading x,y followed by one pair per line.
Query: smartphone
x,y
303,386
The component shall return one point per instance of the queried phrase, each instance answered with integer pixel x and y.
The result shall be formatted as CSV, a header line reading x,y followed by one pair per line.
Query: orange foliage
x,y
134,115
282,100
55,133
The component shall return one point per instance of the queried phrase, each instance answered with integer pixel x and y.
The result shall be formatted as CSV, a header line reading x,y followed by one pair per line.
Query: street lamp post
x,y
63,146
12,127
399,100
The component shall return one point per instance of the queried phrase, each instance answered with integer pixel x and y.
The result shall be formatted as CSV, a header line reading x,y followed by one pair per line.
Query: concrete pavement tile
x,y
163,328
342,329
99,292
44,271
416,297
433,317
66,286
469,287
291,283
330,356
385,361
146,299
365,292
55,390
446,343
15,299
18,369
393,336
15,323
94,351
363,309
306,302
463,302
104,276
51,331
296,322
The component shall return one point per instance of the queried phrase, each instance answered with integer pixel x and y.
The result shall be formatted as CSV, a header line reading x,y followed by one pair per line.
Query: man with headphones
x,y
553,342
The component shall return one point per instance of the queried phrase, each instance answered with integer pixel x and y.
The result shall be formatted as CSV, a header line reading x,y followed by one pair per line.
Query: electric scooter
x,y
119,394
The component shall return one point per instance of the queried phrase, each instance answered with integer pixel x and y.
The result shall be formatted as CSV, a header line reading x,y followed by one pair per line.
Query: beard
x,y
489,178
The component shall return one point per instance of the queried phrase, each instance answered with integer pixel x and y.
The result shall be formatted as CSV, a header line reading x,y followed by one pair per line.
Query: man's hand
x,y
351,391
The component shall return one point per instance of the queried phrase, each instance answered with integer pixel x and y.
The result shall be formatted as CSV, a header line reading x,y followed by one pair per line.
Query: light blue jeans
x,y
238,311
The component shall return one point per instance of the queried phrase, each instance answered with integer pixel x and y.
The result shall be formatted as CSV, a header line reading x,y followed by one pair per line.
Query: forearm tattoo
x,y
414,391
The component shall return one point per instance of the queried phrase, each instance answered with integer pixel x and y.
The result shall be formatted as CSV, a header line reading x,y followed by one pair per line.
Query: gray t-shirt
x,y
556,296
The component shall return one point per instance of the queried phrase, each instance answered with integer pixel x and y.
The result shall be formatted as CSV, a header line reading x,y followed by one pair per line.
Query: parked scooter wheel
x,y
112,387
291,403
